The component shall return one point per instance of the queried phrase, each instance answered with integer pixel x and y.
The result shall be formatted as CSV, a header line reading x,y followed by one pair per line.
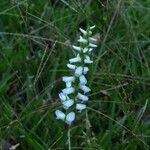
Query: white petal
x,y
68,103
68,78
87,60
85,88
77,48
70,118
85,50
90,49
92,39
68,84
70,66
59,115
82,97
83,31
83,80
62,96
82,40
86,69
92,45
78,71
92,27
75,59
80,107
67,90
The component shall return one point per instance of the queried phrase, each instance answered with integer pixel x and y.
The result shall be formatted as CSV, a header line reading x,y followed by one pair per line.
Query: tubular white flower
x,y
82,40
67,104
80,107
77,48
78,71
87,60
92,40
90,49
92,45
85,70
92,27
82,97
59,115
83,80
68,91
68,78
85,50
83,31
68,84
75,59
62,96
70,66
70,118
84,88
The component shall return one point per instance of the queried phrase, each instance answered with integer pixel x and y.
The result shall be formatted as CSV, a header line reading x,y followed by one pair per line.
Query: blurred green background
x,y
35,45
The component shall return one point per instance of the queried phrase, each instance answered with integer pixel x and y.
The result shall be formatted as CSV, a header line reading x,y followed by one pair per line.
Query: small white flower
x,y
85,50
90,49
70,118
80,107
92,40
75,59
68,78
62,96
85,70
92,45
68,90
82,97
68,84
92,27
87,60
85,88
82,40
83,80
77,48
70,66
83,31
78,71
68,103
59,115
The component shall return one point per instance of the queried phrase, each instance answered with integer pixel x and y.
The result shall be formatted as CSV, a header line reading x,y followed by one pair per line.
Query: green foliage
x,y
35,39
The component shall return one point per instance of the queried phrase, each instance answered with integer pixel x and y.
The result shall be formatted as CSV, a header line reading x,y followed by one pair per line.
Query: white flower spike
x,y
74,95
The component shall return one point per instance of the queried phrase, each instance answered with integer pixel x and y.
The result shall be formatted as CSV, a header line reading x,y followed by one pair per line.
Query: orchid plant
x,y
74,96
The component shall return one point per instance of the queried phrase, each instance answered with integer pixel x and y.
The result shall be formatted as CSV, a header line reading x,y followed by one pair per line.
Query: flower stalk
x,y
74,96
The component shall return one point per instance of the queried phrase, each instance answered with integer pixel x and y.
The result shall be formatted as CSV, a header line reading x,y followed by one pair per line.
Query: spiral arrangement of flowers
x,y
74,96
